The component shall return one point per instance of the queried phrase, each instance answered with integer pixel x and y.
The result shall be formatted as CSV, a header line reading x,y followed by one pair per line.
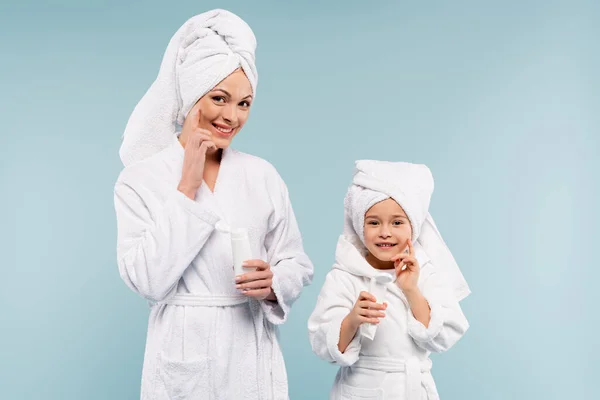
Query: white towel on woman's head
x,y
205,50
411,186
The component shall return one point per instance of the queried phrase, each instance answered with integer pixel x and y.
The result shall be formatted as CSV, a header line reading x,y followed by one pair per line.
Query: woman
x,y
211,335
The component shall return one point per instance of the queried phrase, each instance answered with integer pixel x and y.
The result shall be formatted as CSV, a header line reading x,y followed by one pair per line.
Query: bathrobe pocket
x,y
183,379
356,393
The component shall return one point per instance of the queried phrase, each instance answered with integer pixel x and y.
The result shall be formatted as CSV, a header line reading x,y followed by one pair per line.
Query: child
x,y
383,344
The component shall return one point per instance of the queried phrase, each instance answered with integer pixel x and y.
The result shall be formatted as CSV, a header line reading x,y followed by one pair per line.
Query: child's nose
x,y
385,232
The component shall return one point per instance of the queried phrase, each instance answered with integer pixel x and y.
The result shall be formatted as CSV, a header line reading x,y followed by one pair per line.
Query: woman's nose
x,y
229,114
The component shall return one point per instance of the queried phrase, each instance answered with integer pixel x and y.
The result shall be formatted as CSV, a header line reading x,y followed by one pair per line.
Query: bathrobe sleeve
x,y
155,244
447,322
291,267
335,301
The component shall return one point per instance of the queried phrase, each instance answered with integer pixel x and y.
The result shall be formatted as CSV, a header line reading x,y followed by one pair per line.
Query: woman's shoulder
x,y
150,169
259,166
251,160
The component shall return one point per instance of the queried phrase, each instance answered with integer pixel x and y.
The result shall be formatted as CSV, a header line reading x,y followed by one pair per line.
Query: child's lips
x,y
385,246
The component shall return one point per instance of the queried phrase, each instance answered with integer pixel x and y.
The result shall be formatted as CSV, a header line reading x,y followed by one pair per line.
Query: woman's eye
x,y
219,99
245,104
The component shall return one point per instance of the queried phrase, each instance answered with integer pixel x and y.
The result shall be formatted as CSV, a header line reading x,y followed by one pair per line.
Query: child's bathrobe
x,y
395,365
205,340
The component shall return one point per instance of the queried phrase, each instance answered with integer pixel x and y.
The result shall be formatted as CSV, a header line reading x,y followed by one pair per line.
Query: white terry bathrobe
x,y
205,340
395,365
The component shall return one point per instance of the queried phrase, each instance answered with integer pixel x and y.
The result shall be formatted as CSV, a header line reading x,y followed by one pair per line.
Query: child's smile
x,y
386,232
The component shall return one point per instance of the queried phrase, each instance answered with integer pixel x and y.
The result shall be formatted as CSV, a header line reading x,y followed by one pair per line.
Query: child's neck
x,y
377,263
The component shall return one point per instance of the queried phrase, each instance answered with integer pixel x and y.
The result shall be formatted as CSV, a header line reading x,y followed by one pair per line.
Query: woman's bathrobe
x,y
205,340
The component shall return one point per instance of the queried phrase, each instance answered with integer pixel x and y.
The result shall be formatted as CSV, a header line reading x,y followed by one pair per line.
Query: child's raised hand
x,y
407,269
366,310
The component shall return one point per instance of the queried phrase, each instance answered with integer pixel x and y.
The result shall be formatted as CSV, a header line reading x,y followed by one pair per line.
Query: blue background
x,y
500,98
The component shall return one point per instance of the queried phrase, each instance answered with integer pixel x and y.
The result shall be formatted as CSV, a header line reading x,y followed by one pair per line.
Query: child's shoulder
x,y
339,271
341,278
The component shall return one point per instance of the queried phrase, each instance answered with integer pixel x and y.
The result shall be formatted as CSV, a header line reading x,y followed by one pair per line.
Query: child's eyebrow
x,y
393,216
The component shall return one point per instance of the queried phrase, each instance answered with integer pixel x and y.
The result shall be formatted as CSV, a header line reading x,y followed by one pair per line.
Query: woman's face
x,y
225,109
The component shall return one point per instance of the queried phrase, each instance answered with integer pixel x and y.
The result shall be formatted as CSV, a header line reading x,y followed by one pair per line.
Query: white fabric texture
x,y
204,341
396,364
203,52
411,186
357,202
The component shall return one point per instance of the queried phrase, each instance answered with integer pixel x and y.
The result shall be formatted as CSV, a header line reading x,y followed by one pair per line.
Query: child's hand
x,y
407,269
366,310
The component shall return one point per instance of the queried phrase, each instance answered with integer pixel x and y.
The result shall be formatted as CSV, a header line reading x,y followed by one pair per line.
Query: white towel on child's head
x,y
359,198
203,52
411,186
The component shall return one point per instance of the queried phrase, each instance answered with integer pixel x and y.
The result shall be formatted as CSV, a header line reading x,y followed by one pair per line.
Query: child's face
x,y
387,229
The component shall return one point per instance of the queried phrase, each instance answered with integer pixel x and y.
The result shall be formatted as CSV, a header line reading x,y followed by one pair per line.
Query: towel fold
x,y
411,186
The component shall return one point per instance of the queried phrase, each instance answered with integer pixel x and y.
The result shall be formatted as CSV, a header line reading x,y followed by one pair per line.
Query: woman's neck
x,y
214,157
377,263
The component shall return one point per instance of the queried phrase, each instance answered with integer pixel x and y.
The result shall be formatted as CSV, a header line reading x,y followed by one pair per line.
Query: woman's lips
x,y
223,130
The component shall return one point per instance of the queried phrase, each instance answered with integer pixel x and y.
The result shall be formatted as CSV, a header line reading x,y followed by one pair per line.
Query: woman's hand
x,y
197,143
256,283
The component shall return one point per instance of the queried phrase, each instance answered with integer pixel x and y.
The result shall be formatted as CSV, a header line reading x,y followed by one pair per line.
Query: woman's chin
x,y
222,143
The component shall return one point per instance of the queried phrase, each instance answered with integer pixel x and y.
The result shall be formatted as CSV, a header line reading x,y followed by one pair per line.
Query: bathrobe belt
x,y
412,366
212,300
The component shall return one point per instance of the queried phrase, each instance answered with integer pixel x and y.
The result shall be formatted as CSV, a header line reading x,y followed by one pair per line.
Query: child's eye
x,y
372,223
398,223
219,99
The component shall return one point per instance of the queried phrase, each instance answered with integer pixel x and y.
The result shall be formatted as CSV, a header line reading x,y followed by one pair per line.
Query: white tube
x,y
240,245
377,287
